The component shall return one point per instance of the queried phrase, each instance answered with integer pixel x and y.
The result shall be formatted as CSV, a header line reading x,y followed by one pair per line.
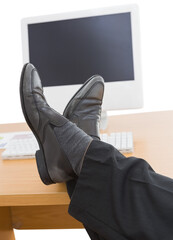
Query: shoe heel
x,y
42,168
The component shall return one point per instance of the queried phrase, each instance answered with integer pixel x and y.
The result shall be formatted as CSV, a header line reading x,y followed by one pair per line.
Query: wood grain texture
x,y
6,230
43,217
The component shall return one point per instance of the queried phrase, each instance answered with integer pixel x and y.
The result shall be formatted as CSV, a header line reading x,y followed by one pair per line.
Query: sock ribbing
x,y
74,143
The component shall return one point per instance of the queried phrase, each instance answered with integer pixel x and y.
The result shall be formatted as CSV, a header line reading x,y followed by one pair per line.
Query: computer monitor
x,y
69,48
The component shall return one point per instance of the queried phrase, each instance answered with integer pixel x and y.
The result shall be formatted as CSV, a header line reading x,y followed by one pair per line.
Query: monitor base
x,y
103,120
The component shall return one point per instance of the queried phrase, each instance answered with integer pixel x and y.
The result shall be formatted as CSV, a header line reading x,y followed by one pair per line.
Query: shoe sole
x,y
40,157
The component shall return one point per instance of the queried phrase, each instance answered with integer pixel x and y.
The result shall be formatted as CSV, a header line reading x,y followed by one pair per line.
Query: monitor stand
x,y
103,120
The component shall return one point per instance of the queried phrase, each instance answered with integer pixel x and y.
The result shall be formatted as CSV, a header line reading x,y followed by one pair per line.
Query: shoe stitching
x,y
96,75
86,94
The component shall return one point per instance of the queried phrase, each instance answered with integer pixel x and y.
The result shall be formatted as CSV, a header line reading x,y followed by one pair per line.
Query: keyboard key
x,y
21,146
123,141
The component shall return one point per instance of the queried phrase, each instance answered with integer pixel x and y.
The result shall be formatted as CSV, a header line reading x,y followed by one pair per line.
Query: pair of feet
x,y
63,139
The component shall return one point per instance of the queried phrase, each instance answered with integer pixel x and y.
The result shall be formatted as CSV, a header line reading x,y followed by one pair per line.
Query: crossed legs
x,y
113,196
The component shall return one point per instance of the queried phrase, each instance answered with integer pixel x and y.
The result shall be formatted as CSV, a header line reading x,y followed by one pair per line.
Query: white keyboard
x,y
22,146
123,141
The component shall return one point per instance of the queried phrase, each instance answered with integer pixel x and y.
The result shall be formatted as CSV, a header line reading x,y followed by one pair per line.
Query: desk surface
x,y
20,184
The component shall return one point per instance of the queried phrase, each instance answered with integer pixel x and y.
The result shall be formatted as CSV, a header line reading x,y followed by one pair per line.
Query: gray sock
x,y
74,143
95,138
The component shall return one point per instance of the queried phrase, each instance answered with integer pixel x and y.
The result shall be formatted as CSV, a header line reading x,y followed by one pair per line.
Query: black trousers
x,y
119,198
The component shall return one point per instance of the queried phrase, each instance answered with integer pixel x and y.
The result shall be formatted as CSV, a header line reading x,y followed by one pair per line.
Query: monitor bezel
x,y
118,95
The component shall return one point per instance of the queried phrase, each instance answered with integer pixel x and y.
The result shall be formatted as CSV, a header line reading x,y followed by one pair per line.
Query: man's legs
x,y
122,198
114,197
70,189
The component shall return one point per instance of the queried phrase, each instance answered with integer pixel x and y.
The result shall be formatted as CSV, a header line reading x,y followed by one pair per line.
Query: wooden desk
x,y
26,203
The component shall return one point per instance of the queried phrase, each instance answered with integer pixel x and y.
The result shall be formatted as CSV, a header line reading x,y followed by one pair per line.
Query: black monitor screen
x,y
70,51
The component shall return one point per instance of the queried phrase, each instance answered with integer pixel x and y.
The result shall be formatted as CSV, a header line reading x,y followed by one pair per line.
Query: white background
x,y
156,20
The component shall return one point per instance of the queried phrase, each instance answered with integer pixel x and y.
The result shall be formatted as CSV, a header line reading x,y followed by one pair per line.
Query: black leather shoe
x,y
84,109
62,144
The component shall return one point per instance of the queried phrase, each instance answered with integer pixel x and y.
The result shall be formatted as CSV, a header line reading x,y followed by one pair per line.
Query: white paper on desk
x,y
6,137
